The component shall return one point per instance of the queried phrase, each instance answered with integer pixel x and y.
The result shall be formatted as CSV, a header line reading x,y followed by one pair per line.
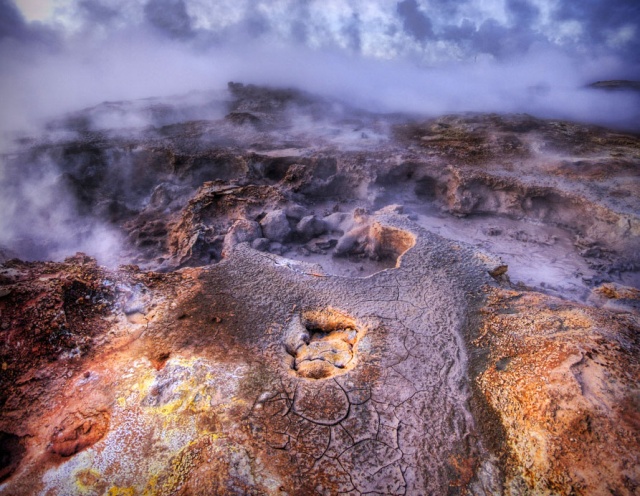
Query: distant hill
x,y
616,84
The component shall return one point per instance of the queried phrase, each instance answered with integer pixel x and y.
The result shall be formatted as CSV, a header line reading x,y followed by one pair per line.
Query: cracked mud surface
x,y
322,305
387,420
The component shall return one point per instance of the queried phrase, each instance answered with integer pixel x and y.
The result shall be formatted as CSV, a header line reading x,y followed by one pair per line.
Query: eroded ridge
x,y
322,343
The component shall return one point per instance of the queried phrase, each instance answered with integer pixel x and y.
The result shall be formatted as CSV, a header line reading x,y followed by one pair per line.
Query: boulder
x,y
277,248
275,226
260,244
310,227
334,221
242,231
296,212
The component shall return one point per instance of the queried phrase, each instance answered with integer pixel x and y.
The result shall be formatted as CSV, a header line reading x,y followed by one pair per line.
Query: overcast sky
x,y
505,55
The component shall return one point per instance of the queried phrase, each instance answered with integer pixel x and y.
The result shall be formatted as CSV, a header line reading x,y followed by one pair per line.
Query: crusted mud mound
x,y
268,373
314,299
564,379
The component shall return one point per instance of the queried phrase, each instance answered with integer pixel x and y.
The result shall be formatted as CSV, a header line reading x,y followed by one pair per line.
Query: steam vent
x,y
296,297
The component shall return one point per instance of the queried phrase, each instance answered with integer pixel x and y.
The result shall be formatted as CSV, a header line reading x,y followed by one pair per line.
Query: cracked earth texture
x,y
324,306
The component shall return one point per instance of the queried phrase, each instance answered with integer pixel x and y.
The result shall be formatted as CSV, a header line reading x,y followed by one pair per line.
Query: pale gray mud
x,y
389,412
317,301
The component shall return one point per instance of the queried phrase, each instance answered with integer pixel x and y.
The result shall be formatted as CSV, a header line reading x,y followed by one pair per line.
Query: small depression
x,y
79,431
11,454
322,344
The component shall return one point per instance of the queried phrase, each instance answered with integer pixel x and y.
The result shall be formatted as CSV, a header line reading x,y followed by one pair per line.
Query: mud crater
x,y
322,344
79,431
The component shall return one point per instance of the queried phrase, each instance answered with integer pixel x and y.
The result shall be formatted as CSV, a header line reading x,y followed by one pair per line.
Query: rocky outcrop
x,y
562,379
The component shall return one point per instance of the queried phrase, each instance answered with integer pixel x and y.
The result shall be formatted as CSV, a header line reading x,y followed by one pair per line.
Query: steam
x,y
41,221
417,56
428,56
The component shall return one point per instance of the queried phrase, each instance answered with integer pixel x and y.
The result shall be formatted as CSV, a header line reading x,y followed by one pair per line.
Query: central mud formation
x,y
318,300
323,344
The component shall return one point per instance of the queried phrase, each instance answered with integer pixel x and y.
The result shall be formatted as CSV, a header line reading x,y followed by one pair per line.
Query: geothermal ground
x,y
318,300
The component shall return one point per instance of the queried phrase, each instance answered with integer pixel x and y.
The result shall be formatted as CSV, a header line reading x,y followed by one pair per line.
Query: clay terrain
x,y
299,297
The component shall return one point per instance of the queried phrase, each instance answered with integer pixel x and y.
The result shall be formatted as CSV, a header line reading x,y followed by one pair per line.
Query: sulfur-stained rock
x,y
78,431
561,378
616,298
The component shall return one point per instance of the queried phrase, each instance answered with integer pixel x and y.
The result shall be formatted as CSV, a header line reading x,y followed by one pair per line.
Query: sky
x,y
430,56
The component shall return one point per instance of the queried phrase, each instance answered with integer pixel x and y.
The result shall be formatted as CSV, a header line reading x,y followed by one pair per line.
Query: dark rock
x,y
327,245
310,227
276,248
260,244
275,226
296,212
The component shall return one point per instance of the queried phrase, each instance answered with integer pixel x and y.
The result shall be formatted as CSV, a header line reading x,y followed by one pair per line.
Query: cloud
x,y
415,22
12,24
429,31
523,13
600,22
96,12
16,31
489,53
170,17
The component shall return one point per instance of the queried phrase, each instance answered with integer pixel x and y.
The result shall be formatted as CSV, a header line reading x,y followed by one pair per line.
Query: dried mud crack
x,y
320,300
